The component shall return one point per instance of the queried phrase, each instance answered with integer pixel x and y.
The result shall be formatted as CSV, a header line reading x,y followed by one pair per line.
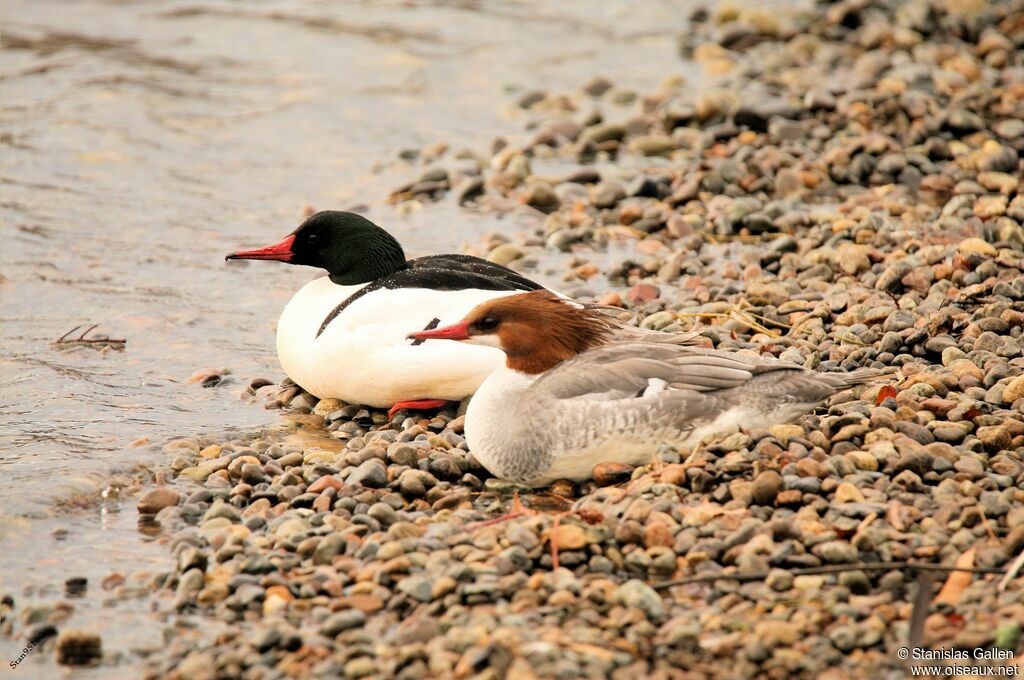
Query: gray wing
x,y
643,371
650,393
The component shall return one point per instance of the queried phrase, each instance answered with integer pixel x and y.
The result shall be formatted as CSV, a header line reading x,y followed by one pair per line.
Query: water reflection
x,y
143,140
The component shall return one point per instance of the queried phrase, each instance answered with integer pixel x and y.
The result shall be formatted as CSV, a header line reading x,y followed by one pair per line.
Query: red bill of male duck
x,y
344,335
571,396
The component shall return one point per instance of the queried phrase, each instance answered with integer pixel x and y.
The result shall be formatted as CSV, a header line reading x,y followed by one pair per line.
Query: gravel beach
x,y
848,195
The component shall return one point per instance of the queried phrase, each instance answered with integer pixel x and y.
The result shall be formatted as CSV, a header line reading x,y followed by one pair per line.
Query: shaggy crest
x,y
539,330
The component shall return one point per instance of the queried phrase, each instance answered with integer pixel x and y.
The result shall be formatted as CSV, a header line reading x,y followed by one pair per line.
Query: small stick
x,y
498,520
553,534
828,569
722,315
744,318
733,314
81,338
554,542
1011,572
697,315
988,527
517,511
63,337
767,320
559,498
922,602
742,238
850,339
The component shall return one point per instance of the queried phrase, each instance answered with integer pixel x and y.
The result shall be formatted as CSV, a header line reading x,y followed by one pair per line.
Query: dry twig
x,y
1012,572
828,569
922,602
97,341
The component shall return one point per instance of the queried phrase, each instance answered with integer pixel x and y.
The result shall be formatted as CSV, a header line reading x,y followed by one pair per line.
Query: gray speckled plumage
x,y
621,401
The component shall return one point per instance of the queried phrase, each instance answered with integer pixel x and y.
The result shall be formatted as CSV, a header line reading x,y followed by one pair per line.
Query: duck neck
x,y
498,427
379,255
507,383
494,404
366,273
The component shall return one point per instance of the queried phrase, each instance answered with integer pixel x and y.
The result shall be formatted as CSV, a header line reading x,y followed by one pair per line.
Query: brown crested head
x,y
536,330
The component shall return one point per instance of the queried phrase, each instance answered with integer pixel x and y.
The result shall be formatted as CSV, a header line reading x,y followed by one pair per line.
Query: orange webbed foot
x,y
416,405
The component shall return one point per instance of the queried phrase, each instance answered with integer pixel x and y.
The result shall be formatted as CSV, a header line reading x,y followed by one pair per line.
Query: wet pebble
x,y
79,648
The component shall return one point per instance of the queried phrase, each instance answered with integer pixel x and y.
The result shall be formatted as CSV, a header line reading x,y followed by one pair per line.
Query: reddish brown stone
x,y
641,293
606,474
674,474
789,497
658,534
325,482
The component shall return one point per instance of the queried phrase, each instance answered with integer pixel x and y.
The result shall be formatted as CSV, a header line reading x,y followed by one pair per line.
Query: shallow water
x,y
142,141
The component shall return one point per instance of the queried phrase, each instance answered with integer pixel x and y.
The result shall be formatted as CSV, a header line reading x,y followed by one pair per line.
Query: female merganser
x,y
344,335
570,396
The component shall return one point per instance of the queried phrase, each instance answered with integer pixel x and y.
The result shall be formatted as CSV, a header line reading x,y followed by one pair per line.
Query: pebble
x,y
371,473
848,493
779,580
606,474
636,593
977,246
78,648
506,253
417,587
606,194
539,195
836,552
1014,390
155,500
765,488
342,621
570,537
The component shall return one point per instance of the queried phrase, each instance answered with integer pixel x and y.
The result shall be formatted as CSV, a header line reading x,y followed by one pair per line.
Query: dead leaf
x,y
957,582
899,516
884,393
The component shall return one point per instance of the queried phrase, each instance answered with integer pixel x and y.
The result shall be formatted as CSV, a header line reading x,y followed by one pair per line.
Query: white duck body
x,y
504,445
491,433
363,355
622,402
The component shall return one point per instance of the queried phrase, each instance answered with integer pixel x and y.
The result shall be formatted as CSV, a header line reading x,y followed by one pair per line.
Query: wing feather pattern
x,y
608,384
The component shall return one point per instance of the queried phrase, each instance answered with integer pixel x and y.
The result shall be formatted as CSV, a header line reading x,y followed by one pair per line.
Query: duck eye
x,y
312,238
488,323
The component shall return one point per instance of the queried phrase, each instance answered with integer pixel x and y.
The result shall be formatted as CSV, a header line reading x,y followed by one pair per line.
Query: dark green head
x,y
350,247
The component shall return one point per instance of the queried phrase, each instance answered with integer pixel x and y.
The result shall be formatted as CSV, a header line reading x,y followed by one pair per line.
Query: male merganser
x,y
344,335
570,396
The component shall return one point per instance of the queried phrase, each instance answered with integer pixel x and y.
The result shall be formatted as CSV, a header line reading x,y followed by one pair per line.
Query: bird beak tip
x,y
459,331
